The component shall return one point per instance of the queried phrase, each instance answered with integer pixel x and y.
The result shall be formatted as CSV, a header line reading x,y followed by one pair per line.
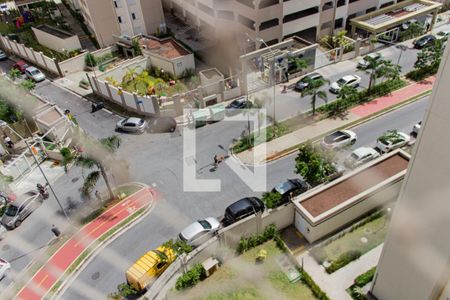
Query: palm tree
x,y
376,68
313,90
110,144
344,93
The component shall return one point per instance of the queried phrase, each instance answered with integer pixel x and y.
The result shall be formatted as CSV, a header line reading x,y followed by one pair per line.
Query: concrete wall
x,y
53,42
34,57
375,199
78,63
414,263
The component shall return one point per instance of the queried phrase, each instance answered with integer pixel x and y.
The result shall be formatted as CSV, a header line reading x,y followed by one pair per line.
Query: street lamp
x,y
402,48
272,75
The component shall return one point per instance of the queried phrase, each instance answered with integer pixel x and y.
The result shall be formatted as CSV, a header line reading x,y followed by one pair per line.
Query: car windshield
x,y
141,122
334,136
11,211
35,72
205,224
283,187
354,156
341,82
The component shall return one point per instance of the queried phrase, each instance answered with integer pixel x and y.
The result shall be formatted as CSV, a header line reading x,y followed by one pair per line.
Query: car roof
x,y
348,77
363,151
239,205
133,120
31,69
284,187
190,231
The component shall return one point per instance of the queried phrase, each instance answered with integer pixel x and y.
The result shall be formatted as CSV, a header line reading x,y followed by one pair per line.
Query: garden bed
x,y
343,248
243,278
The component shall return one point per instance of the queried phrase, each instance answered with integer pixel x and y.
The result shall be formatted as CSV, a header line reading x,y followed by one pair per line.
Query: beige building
x,y
121,17
415,261
272,20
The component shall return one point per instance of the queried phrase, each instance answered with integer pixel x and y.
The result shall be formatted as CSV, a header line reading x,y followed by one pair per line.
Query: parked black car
x,y
242,209
304,82
162,124
290,187
235,106
424,41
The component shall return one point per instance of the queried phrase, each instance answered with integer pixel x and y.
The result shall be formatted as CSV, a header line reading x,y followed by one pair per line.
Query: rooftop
x,y
212,74
167,48
354,185
395,15
54,31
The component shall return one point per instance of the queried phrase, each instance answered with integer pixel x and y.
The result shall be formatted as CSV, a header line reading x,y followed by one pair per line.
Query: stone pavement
x,y
335,284
271,150
53,270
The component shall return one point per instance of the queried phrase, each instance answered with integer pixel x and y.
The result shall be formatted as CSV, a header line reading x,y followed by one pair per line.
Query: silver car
x,y
4,268
131,125
360,156
34,74
200,231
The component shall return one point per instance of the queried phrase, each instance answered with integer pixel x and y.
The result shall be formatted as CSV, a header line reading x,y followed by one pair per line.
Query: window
x,y
341,3
386,4
160,265
301,14
327,5
115,4
338,23
268,24
351,1
133,16
246,22
248,3
371,9
120,19
267,3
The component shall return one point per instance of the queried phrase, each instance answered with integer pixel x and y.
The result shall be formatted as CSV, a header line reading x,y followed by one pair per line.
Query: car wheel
x,y
17,223
353,142
172,129
356,85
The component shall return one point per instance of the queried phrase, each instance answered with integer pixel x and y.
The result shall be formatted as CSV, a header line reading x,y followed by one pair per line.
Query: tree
x,y
313,164
136,47
430,57
313,91
414,30
300,64
345,93
271,199
28,84
376,68
14,73
90,60
110,144
335,41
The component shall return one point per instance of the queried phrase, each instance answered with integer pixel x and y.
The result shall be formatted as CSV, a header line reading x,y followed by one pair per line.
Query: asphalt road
x,y
179,208
156,159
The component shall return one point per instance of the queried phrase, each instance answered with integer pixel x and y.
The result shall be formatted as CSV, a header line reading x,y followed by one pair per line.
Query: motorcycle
x,y
43,191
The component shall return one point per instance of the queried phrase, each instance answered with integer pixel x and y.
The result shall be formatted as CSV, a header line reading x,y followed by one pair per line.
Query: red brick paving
x,y
393,98
55,267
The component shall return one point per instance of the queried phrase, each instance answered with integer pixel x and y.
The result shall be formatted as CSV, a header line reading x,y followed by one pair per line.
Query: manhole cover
x,y
6,247
75,179
364,240
95,276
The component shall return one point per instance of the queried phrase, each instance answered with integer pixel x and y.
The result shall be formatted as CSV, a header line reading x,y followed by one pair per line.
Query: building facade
x,y
271,20
415,261
107,18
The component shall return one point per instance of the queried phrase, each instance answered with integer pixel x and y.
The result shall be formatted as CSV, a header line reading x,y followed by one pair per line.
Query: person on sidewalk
x,y
56,232
8,142
98,196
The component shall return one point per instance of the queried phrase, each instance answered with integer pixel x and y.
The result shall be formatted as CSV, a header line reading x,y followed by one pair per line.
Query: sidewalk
x,y
42,282
283,144
336,283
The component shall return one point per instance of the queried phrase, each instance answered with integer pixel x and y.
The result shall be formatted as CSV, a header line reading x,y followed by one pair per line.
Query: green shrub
x,y
420,74
269,233
318,293
90,60
272,132
178,246
271,199
28,84
342,260
124,290
366,277
191,277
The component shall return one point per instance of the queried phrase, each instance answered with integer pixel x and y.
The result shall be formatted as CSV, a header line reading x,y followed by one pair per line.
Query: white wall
x,y
56,43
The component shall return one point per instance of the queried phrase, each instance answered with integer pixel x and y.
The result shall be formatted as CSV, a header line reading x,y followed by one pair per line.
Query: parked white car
x,y
442,35
339,139
200,231
392,140
363,63
4,268
34,74
348,80
360,156
416,128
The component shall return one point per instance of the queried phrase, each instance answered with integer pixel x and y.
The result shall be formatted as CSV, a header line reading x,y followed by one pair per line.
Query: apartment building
x,y
271,20
121,17
415,261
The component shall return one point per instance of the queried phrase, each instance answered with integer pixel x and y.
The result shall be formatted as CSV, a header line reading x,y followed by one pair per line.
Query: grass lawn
x,y
374,233
127,190
242,278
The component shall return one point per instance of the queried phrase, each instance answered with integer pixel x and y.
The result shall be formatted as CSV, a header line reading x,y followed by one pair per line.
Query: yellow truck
x,y
149,266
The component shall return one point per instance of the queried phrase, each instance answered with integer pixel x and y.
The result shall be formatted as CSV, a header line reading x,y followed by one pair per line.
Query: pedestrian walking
x,y
98,196
56,231
7,141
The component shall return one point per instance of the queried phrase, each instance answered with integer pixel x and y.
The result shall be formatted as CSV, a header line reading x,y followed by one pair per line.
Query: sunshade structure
x,y
394,15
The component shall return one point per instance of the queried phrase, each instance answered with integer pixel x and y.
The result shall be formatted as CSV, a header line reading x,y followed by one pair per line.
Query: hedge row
x,y
270,233
356,290
191,277
420,74
318,293
362,96
344,259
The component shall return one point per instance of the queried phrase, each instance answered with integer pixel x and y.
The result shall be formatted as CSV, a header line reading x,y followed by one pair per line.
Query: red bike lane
x,y
38,286
394,98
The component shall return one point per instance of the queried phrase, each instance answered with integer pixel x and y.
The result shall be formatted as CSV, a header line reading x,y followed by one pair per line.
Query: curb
x,y
355,123
62,245
360,121
65,284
